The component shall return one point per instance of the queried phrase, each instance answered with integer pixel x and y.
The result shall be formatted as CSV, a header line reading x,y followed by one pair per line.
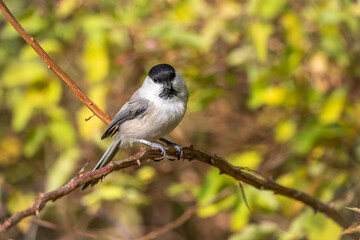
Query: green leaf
x,y
210,187
22,114
177,36
23,73
265,9
60,129
259,81
318,226
62,169
306,139
133,13
262,231
32,22
179,188
313,226
266,200
240,216
214,208
203,97
34,140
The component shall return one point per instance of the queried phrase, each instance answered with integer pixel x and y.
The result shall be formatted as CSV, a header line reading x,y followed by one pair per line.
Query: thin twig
x,y
78,232
149,236
244,196
170,226
51,64
186,215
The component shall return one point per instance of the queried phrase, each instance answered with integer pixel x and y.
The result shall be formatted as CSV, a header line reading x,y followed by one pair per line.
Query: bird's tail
x,y
105,159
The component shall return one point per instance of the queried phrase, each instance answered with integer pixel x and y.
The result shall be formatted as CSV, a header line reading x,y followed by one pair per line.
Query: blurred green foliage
x,y
273,87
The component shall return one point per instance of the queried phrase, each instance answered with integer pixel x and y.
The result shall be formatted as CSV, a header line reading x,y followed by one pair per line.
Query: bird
x,y
152,112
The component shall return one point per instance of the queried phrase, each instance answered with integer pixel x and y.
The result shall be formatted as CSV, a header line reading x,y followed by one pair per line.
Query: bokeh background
x,y
274,86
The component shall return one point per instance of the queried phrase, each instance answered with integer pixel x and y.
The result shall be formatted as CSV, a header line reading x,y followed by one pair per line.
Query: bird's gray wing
x,y
134,108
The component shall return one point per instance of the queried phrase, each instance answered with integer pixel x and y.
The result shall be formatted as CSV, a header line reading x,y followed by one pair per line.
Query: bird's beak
x,y
167,85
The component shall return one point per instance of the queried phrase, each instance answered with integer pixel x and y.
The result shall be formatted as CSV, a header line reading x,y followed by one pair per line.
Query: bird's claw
x,y
170,158
174,145
180,151
163,153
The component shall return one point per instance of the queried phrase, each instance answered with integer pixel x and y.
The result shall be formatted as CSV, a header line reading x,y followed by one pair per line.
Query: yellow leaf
x,y
146,174
239,217
333,106
274,95
250,159
260,33
285,131
293,28
93,127
95,59
19,201
66,7
10,148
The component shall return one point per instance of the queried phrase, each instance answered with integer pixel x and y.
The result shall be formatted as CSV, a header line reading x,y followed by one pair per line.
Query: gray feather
x,y
135,107
105,159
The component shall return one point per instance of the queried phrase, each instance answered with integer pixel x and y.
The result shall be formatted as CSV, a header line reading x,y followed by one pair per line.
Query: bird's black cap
x,y
162,73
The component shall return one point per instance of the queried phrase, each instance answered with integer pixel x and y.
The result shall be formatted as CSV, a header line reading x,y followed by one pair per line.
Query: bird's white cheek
x,y
151,91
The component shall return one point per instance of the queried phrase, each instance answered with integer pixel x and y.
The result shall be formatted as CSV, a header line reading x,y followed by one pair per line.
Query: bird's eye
x,y
155,80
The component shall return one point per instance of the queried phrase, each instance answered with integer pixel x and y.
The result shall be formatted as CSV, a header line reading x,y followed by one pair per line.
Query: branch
x,y
52,65
41,200
190,153
261,183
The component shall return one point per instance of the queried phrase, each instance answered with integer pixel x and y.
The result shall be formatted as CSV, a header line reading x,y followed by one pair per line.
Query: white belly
x,y
155,123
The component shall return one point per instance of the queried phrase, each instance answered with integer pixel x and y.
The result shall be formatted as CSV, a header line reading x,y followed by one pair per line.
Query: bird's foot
x,y
174,145
154,145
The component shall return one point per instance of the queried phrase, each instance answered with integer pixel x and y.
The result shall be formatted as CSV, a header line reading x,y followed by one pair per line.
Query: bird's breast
x,y
158,120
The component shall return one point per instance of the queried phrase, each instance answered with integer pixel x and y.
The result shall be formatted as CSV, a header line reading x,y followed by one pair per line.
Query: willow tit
x,y
152,112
